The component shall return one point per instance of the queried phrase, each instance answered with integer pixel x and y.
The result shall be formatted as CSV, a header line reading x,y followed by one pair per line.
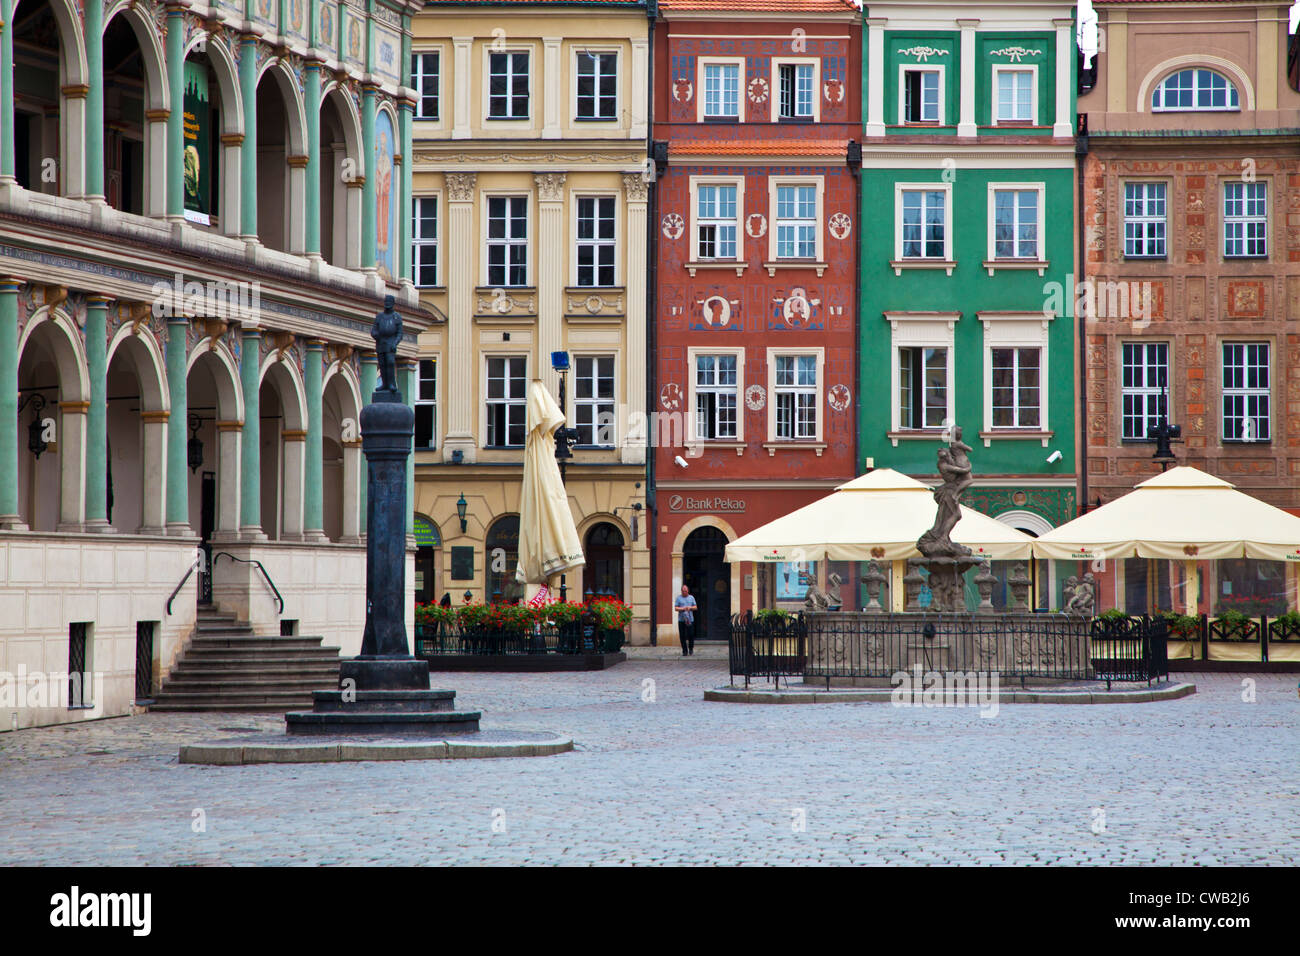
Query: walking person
x,y
685,607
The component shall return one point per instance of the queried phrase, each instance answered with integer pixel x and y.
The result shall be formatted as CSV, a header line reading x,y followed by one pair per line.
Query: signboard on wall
x,y
462,563
197,144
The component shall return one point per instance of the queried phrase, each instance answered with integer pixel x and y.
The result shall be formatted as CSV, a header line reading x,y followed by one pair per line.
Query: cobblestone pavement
x,y
673,779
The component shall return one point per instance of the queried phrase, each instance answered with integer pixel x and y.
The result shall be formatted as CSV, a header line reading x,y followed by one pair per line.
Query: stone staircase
x,y
229,668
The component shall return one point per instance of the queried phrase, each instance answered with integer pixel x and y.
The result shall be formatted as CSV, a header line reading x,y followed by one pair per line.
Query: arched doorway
x,y
427,543
1043,590
501,559
136,437
708,576
603,574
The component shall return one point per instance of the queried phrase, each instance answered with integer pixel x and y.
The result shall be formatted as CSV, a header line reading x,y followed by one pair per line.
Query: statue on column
x,y
387,333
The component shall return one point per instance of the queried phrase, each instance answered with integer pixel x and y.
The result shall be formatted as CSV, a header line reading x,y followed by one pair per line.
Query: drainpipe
x,y
1080,159
854,159
652,323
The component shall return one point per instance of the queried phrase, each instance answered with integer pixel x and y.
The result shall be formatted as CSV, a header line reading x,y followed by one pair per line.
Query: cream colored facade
x,y
548,165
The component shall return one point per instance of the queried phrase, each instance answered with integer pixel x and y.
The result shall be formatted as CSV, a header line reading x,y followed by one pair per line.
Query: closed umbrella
x,y
548,538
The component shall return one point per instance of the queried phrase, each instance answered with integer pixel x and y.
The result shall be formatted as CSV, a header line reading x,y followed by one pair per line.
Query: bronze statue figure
x,y
387,332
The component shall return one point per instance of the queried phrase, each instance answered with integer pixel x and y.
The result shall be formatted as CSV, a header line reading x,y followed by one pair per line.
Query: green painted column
x,y
313,517
406,382
248,151
97,419
8,390
250,457
7,165
94,13
368,187
178,485
369,377
175,123
406,116
312,78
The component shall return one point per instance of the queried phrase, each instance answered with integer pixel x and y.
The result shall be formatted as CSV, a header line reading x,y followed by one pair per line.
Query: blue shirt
x,y
684,605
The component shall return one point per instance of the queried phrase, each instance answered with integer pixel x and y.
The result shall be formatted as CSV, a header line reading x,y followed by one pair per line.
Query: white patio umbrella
x,y
1181,515
548,538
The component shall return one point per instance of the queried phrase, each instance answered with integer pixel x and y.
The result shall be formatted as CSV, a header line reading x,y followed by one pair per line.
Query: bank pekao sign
x,y
711,504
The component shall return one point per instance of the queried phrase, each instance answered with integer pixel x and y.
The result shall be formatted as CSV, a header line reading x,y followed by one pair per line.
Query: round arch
x,y
1216,63
69,352
72,41
227,74
295,109
1027,521
142,351
280,372
343,370
151,51
679,570
598,569
230,393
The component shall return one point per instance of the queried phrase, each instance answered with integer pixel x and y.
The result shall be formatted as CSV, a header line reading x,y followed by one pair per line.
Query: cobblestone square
x,y
660,776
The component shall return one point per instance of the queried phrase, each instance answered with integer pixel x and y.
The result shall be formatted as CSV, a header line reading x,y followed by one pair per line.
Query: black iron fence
x,y
769,647
579,637
1130,648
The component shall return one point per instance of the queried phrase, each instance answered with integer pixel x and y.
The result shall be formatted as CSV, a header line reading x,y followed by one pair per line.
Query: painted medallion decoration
x,y
673,226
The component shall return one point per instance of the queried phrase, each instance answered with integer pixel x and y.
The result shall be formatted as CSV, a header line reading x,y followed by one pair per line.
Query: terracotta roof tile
x,y
790,7
758,147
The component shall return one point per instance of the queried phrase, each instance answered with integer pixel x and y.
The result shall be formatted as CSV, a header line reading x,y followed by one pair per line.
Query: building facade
x,y
1191,216
199,218
529,232
968,184
755,121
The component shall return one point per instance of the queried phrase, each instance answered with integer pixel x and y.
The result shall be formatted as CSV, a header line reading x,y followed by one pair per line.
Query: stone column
x,y
178,486
7,160
368,93
295,449
549,277
876,76
72,465
354,491
248,156
1063,125
176,126
232,162
966,122
406,120
228,480
97,420
635,190
369,378
94,129
155,187
72,168
250,485
9,518
387,429
460,323
311,78
156,471
297,179
313,514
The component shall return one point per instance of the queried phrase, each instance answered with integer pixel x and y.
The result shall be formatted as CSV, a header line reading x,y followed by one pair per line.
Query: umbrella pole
x,y
896,595
1192,589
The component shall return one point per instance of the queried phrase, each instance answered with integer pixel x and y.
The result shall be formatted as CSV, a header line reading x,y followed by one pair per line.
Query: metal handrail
x,y
179,586
253,561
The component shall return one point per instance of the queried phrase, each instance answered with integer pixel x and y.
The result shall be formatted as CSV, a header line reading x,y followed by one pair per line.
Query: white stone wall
x,y
48,581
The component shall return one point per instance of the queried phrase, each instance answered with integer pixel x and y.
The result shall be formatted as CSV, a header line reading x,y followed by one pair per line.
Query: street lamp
x,y
194,449
1164,434
462,508
564,437
36,442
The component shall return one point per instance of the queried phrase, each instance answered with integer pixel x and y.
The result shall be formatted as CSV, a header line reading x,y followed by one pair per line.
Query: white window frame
x,y
437,85
903,70
920,330
994,189
1017,330
612,402
1158,91
819,355
1145,391
1245,392
690,431
1031,68
418,242
528,238
775,89
1144,219
741,93
774,183
484,401
1245,220
614,243
488,118
696,183
420,402
578,53
906,187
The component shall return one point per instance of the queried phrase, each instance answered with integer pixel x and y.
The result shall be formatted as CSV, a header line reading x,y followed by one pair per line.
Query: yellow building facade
x,y
529,234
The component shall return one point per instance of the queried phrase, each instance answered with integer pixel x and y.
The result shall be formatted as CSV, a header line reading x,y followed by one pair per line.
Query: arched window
x,y
1195,89
603,575
502,558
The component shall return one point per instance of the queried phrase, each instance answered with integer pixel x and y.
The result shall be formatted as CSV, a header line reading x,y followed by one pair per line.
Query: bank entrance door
x,y
709,577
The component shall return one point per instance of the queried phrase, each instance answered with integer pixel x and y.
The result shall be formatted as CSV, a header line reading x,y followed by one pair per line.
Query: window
x,y
424,78
715,218
795,96
1016,388
924,224
1015,223
1143,395
593,400
424,241
716,388
721,91
506,402
795,390
1144,220
596,240
796,222
1194,90
1245,391
507,85
922,387
597,85
507,241
1015,96
1245,219
502,558
426,404
920,96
